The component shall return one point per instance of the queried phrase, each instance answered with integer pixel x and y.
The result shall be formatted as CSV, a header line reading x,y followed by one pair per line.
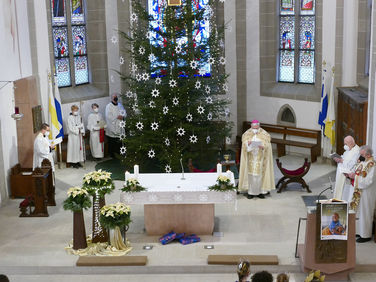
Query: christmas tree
x,y
176,101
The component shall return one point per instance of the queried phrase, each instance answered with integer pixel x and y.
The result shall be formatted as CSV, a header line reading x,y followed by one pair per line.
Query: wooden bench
x,y
282,141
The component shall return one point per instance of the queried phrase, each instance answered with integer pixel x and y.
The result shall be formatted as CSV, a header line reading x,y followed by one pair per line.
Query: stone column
x,y
350,42
113,58
230,52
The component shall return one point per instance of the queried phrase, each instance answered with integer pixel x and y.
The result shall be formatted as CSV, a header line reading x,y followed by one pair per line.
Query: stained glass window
x,y
200,34
77,12
297,41
66,56
63,72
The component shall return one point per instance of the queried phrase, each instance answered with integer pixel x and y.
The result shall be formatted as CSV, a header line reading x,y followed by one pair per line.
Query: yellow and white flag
x,y
331,115
52,115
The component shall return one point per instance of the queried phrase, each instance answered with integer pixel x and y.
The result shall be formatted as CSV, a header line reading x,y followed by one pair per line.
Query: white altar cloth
x,y
168,188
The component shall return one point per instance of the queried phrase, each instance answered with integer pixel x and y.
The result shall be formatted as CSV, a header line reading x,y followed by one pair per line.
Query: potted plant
x,y
116,216
223,184
98,184
78,200
132,185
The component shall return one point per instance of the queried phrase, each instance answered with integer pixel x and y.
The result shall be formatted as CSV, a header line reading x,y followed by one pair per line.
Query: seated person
x,y
244,269
262,276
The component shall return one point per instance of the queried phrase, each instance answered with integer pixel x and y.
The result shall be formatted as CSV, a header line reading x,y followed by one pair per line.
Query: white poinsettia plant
x,y
223,184
76,191
115,215
78,199
98,182
132,185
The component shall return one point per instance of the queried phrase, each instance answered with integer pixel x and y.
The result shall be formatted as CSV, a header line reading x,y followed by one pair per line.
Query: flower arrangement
x,y
132,185
115,215
223,184
77,200
98,182
315,275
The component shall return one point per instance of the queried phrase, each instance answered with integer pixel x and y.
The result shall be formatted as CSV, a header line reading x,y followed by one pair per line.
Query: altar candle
x,y
127,174
136,171
219,169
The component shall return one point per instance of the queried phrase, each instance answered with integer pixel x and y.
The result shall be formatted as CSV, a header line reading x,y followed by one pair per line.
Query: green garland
x,y
78,199
132,185
115,215
223,184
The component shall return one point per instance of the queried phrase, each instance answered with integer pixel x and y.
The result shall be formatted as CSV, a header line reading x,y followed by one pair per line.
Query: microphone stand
x,y
330,187
182,169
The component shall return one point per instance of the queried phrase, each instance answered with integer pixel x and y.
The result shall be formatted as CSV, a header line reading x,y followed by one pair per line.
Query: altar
x,y
171,203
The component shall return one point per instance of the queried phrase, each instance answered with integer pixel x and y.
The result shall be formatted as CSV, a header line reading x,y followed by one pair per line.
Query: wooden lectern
x,y
334,258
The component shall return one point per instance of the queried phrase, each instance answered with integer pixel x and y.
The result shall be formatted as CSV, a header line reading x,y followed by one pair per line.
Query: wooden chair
x,y
290,176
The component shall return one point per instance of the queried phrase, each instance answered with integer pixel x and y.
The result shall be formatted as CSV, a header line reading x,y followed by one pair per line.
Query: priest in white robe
x,y
96,125
115,115
364,197
343,189
256,175
42,147
76,131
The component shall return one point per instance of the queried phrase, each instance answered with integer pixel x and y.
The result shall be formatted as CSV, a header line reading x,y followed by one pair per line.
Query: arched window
x,y
69,40
200,33
297,20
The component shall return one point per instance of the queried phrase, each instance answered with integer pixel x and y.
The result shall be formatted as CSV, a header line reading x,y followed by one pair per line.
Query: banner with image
x,y
334,221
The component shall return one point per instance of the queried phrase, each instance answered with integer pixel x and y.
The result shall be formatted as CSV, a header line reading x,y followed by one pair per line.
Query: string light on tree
x,y
225,87
198,84
210,116
114,39
152,58
165,110
145,76
134,17
138,77
141,50
209,100
193,64
158,80
189,117
178,49
152,104
122,124
121,61
129,94
222,60
207,89
207,139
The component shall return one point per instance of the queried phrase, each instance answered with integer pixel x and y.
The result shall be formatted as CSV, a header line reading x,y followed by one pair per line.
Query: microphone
x,y
329,188
182,169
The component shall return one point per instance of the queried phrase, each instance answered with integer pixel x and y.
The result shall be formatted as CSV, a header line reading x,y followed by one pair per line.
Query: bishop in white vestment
x,y
76,146
42,148
96,125
343,189
256,175
364,197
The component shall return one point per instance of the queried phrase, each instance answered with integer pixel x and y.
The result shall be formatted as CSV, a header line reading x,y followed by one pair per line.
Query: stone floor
x,y
32,249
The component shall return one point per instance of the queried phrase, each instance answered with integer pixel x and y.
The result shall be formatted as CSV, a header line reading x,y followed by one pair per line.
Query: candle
x,y
136,171
16,110
127,175
219,169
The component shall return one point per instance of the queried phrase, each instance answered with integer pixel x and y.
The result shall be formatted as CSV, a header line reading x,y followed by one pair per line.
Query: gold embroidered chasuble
x,y
256,162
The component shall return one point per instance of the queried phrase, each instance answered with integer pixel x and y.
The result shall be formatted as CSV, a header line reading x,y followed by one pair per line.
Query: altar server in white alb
x,y
96,125
364,196
115,115
343,189
42,147
256,175
76,146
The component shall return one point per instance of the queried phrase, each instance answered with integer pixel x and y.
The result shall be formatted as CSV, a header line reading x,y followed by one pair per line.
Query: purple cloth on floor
x,y
167,238
190,239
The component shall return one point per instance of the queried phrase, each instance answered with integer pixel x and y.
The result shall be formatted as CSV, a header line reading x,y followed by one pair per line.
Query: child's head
x,y
335,217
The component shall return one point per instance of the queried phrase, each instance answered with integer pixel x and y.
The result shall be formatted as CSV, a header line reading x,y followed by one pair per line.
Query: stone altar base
x,y
189,218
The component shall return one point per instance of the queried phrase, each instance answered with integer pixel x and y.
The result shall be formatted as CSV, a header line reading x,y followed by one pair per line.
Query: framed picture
x,y
174,2
37,118
306,5
334,221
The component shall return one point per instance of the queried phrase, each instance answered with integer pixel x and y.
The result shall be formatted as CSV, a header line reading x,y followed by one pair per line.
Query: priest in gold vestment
x,y
256,175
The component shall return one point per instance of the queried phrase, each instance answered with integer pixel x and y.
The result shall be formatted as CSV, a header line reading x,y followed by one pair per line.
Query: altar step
x,y
112,261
